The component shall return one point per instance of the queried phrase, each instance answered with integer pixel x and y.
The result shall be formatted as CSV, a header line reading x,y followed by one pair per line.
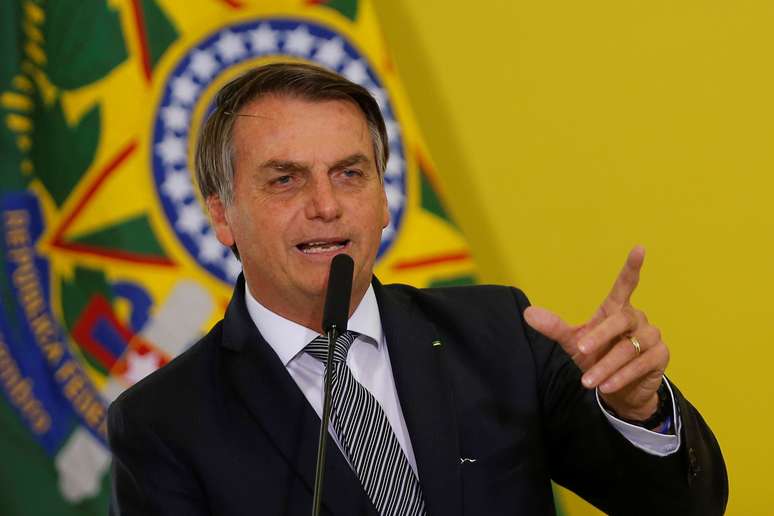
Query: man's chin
x,y
315,288
314,282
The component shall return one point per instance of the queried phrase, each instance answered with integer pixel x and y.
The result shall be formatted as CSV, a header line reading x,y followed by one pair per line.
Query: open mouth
x,y
319,247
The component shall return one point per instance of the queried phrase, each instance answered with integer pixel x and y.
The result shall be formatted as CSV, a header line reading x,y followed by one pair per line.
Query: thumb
x,y
551,325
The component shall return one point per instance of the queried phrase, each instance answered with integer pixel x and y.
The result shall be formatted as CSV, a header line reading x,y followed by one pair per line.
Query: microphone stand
x,y
334,322
332,335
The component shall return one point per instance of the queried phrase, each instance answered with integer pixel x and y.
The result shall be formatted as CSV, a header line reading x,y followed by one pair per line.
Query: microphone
x,y
334,323
336,311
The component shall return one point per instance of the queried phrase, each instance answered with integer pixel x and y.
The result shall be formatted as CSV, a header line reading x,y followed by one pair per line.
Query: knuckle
x,y
658,358
632,314
639,364
653,335
628,351
598,370
665,355
612,326
608,363
622,378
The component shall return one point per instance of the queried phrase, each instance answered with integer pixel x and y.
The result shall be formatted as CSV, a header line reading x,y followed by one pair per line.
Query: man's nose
x,y
322,202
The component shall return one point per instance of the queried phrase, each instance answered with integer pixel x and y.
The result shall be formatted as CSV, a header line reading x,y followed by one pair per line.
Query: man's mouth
x,y
322,246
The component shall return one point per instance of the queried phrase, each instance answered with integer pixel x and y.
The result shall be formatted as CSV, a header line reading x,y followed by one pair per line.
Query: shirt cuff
x,y
646,440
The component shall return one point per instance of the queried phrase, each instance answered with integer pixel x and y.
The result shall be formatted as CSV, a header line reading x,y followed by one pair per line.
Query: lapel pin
x,y
437,344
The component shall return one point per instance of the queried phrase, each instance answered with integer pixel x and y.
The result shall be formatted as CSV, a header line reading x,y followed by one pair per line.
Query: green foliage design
x,y
61,153
456,281
158,29
346,7
83,42
11,178
9,42
430,200
77,293
133,235
29,478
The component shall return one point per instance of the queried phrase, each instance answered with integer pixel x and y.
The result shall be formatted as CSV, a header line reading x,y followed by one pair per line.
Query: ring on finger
x,y
636,343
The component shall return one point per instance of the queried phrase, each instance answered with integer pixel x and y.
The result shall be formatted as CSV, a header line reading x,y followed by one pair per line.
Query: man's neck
x,y
307,312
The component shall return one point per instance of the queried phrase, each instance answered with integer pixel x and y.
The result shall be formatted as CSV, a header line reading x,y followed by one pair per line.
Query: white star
x,y
356,72
210,250
379,95
203,64
139,366
171,149
175,118
233,266
392,129
331,53
394,196
184,90
264,39
191,219
388,231
394,166
230,47
299,41
177,185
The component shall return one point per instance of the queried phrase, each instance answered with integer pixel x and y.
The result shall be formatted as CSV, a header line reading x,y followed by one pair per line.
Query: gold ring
x,y
635,343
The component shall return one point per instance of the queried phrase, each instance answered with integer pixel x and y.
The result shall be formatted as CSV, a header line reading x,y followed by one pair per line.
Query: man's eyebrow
x,y
354,159
284,165
249,115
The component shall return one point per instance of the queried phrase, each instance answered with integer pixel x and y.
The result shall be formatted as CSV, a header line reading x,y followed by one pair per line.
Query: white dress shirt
x,y
369,361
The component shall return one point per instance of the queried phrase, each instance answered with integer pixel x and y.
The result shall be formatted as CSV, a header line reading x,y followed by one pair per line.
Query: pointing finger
x,y
617,324
628,278
552,326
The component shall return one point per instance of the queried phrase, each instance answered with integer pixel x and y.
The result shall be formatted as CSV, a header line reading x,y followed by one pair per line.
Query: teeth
x,y
320,247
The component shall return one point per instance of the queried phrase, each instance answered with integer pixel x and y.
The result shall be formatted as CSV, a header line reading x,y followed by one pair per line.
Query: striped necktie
x,y
367,438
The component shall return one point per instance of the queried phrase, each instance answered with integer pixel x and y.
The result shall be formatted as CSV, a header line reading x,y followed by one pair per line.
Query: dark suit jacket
x,y
223,429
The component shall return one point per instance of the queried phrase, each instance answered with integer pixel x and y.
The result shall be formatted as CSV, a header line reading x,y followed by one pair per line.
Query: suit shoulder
x,y
170,382
487,299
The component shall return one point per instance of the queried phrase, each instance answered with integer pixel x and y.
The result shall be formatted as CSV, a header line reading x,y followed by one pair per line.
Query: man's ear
x,y
220,224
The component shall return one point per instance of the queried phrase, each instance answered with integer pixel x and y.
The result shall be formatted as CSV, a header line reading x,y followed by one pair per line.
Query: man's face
x,y
306,188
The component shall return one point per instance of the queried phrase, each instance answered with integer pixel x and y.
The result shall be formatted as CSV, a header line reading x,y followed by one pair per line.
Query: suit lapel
x,y
425,400
280,408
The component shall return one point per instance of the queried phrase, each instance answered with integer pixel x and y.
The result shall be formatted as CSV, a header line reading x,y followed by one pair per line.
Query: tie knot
x,y
318,348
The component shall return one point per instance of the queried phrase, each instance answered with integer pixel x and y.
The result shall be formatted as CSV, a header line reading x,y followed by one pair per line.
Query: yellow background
x,y
566,132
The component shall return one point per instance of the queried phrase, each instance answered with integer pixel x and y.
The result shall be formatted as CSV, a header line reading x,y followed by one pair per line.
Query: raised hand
x,y
618,350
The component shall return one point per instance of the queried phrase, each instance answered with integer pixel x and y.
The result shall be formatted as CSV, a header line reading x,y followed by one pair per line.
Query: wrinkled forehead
x,y
293,128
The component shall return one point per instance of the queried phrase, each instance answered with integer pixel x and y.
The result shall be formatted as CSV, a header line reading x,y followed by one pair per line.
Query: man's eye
x,y
349,172
282,180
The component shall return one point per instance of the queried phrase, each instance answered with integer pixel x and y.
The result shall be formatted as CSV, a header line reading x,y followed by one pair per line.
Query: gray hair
x,y
215,150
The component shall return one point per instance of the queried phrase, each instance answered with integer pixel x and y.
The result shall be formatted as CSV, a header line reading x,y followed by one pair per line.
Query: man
x,y
446,401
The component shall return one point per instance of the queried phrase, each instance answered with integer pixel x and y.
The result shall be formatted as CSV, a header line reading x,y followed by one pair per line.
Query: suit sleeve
x,y
595,461
147,478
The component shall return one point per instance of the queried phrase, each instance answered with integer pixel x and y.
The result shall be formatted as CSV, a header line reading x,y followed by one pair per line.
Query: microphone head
x,y
336,310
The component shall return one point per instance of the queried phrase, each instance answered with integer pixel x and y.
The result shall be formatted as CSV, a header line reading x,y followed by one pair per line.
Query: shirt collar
x,y
289,338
